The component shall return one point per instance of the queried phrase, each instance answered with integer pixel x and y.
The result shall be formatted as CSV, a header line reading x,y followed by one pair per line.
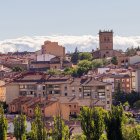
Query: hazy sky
x,y
68,17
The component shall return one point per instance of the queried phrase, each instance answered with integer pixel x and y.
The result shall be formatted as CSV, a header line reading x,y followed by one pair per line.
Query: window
x,y
80,89
127,80
127,85
31,92
65,94
30,111
101,87
23,86
42,111
70,106
73,89
108,102
65,87
108,96
74,106
107,88
43,87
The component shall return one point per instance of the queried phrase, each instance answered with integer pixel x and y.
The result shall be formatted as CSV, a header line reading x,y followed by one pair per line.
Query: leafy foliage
x,y
123,97
75,56
3,125
113,123
85,56
98,63
54,72
60,131
92,122
137,104
20,127
83,67
38,130
17,69
114,60
131,133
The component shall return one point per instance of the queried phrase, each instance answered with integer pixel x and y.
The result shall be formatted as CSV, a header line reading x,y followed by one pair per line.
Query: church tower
x,y
106,40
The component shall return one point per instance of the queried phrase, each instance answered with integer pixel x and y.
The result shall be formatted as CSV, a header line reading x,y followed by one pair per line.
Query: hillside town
x,y
63,83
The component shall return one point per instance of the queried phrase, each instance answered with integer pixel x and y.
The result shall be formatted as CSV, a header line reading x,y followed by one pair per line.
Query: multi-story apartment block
x,y
46,86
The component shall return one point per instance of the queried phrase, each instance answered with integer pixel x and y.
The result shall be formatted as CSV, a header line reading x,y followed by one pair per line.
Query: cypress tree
x,y
38,130
20,127
113,122
3,125
60,131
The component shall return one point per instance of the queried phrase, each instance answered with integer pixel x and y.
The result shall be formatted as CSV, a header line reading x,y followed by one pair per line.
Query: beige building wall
x,y
55,109
53,48
108,96
2,91
12,92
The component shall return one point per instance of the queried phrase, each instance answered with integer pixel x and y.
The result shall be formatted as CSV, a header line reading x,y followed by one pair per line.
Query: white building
x,y
138,80
134,59
44,57
102,70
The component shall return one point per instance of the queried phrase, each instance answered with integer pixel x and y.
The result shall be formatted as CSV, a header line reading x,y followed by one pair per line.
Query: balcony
x,y
101,90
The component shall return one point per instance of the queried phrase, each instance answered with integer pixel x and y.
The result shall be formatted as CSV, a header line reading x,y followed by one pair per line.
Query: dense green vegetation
x,y
132,51
84,66
17,69
3,125
132,98
20,127
96,124
114,60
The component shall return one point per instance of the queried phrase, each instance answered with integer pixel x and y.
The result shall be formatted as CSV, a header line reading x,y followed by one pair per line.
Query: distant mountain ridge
x,y
83,43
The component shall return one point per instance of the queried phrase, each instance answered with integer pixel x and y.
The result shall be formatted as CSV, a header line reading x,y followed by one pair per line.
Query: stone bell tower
x,y
106,40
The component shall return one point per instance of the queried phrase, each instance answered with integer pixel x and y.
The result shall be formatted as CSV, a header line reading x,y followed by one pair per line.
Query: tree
x,y
83,67
113,123
38,130
54,72
20,127
97,63
98,117
87,122
114,60
60,131
3,125
137,104
85,56
78,137
92,122
17,69
131,51
75,57
131,133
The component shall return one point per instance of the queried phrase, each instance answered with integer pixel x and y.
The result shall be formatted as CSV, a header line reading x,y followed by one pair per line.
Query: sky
x,y
68,17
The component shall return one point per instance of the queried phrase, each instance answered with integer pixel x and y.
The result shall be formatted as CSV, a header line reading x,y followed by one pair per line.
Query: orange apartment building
x,y
53,48
51,56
